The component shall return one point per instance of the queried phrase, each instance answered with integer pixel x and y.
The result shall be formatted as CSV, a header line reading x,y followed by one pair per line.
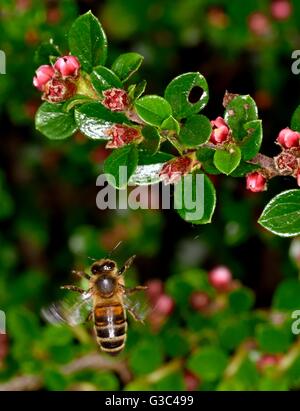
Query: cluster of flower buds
x,y
115,99
121,135
173,170
220,131
220,278
58,82
287,162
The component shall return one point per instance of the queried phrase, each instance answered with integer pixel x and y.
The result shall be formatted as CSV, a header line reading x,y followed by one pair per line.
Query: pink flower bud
x,y
67,66
155,289
199,300
281,9
259,24
42,75
288,138
122,135
115,99
173,170
267,360
191,381
220,277
256,182
58,90
164,305
298,177
220,131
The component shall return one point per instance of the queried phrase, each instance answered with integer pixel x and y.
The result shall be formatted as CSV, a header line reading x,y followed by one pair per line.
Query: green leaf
x,y
244,168
251,144
102,79
76,100
94,120
227,160
241,300
53,122
41,56
150,165
208,363
153,109
295,121
232,333
87,41
287,295
239,111
195,198
136,90
273,339
281,215
151,139
180,94
196,131
142,352
126,65
125,157
171,123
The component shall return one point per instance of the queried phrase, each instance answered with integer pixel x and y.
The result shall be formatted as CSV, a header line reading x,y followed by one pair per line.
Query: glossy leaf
x,y
187,94
282,215
125,157
195,198
102,79
251,144
151,139
208,363
149,167
55,123
239,111
153,109
171,123
195,131
295,122
94,120
227,160
126,65
87,41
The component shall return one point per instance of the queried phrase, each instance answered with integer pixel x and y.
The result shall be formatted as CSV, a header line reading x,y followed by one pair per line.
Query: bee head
x,y
103,267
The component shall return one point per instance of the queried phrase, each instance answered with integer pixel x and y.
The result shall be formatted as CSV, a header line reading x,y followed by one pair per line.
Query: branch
x,y
93,361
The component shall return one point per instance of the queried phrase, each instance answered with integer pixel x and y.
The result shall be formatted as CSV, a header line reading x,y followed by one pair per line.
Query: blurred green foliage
x,y
50,224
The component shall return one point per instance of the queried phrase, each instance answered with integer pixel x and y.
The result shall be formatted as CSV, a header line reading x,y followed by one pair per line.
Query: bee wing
x,y
138,305
72,310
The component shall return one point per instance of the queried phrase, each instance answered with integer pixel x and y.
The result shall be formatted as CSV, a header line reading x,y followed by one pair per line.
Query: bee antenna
x,y
92,258
114,249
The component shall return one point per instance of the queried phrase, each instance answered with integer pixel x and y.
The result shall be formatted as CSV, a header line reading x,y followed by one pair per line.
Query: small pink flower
x,y
259,24
288,138
155,289
42,75
115,99
67,66
122,135
58,90
281,9
256,182
176,168
286,163
220,277
199,301
220,131
164,305
191,381
267,360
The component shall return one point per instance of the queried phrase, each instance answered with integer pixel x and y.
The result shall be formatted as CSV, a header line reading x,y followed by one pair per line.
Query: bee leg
x,y
127,264
135,315
89,316
73,288
129,291
82,274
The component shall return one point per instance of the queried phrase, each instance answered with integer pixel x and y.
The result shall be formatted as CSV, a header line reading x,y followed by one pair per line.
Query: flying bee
x,y
105,302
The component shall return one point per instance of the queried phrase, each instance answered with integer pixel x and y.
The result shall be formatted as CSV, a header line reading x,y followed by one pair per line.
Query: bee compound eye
x,y
109,266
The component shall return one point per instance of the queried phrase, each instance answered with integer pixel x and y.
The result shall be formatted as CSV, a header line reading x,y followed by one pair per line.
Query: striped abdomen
x,y
110,327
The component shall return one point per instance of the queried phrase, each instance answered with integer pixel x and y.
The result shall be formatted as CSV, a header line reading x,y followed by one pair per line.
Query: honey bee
x,y
105,302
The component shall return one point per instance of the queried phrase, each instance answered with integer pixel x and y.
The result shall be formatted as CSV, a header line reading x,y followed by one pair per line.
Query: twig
x,y
93,361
